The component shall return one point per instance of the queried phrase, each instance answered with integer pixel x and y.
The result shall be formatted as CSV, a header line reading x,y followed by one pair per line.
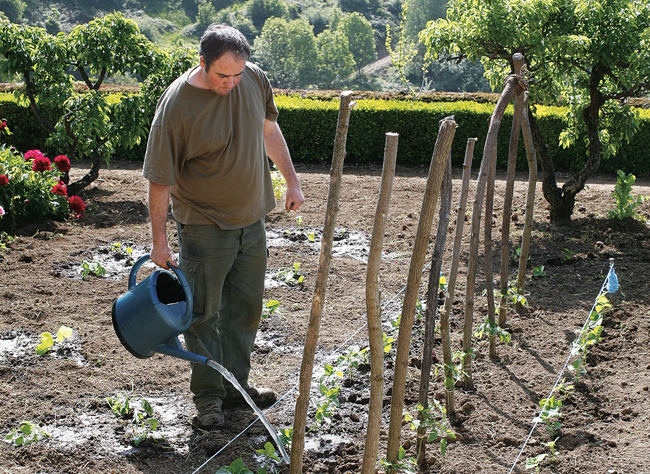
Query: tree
x,y
335,61
360,38
13,9
88,124
286,50
590,55
261,10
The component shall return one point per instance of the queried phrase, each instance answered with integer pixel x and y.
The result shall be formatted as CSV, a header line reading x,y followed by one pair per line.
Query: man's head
x,y
220,39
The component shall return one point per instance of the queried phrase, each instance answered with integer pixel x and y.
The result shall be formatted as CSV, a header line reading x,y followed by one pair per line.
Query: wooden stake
x,y
318,301
517,118
511,88
373,307
487,244
530,199
451,283
438,162
432,304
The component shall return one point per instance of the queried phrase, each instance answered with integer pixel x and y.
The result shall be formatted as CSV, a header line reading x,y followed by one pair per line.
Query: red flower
x,y
3,125
76,205
60,189
62,163
31,154
3,180
41,163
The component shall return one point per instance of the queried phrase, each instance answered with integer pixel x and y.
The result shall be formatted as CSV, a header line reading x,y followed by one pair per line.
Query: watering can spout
x,y
173,348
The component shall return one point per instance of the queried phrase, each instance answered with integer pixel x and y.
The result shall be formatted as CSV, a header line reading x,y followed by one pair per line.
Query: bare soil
x,y
605,426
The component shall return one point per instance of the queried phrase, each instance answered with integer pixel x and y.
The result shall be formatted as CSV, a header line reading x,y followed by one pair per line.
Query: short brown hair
x,y
220,39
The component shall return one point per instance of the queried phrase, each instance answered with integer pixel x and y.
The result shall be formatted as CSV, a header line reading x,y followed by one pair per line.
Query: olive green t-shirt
x,y
210,149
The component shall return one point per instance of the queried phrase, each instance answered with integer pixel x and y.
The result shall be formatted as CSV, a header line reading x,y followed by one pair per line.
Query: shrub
x,y
31,189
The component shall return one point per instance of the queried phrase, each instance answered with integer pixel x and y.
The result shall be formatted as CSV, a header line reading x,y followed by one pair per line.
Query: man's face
x,y
224,73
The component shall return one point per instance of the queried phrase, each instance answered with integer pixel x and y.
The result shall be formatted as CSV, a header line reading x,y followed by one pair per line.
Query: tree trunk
x,y
434,181
487,248
373,306
432,304
88,178
562,201
318,300
451,283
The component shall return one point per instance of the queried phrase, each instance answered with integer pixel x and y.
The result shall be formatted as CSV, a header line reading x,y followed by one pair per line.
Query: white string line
x,y
563,368
296,385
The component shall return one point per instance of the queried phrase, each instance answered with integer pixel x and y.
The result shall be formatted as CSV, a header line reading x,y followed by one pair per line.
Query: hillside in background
x,y
181,22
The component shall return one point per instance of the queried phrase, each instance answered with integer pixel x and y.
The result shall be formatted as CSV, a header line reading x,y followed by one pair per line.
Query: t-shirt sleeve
x,y
158,160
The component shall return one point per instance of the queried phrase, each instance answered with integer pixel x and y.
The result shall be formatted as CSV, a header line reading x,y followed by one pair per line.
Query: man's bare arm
x,y
278,151
161,253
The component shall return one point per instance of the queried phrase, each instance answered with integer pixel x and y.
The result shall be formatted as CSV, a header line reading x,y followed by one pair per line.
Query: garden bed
x,y
605,426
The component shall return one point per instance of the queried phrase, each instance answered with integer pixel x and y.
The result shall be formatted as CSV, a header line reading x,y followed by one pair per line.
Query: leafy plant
x,y
351,358
291,275
279,183
625,203
47,341
268,451
403,464
141,415
119,248
388,342
92,268
538,272
25,434
492,329
31,190
568,255
237,467
590,334
534,463
270,307
437,427
286,436
550,414
325,407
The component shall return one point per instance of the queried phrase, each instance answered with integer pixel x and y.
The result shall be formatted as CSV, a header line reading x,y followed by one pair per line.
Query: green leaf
x,y
63,333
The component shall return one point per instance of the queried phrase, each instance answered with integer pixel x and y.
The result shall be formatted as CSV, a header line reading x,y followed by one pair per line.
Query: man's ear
x,y
202,63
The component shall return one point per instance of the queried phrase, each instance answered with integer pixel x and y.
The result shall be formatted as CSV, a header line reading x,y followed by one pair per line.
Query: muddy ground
x,y
605,426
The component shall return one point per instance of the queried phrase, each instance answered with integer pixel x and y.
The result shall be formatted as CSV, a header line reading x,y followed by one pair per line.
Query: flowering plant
x,y
30,189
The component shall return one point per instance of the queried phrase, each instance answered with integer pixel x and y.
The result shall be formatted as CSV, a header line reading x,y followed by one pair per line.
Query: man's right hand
x,y
161,255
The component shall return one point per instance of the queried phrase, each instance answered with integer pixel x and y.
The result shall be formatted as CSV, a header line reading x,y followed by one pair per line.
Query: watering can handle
x,y
179,274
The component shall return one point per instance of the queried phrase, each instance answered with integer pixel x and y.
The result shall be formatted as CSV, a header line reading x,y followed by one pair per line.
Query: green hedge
x,y
309,126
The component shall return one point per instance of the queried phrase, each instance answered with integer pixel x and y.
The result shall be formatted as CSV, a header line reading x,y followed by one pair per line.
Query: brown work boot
x,y
210,416
263,398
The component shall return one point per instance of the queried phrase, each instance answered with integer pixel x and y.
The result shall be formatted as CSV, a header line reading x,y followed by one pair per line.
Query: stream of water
x,y
231,378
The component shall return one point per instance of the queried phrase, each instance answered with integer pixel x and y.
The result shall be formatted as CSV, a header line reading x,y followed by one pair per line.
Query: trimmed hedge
x,y
309,127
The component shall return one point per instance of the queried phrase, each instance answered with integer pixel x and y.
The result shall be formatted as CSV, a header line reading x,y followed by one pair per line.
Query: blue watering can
x,y
149,317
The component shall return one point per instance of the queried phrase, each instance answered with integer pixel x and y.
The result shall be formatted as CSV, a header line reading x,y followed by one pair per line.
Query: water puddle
x,y
325,443
19,347
107,261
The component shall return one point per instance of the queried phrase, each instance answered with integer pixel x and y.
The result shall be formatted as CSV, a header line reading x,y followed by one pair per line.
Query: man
x,y
207,148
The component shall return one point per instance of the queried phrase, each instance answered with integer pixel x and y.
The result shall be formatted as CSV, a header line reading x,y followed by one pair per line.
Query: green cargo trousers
x,y
225,271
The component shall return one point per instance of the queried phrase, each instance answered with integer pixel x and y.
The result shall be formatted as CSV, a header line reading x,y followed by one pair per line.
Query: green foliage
x,y
92,268
534,462
432,419
13,9
492,329
25,434
279,183
28,195
359,33
335,61
235,467
47,341
139,411
261,10
291,275
538,272
206,14
588,55
625,203
351,358
270,307
287,52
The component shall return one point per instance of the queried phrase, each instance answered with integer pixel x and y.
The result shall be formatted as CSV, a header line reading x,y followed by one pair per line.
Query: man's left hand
x,y
293,198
